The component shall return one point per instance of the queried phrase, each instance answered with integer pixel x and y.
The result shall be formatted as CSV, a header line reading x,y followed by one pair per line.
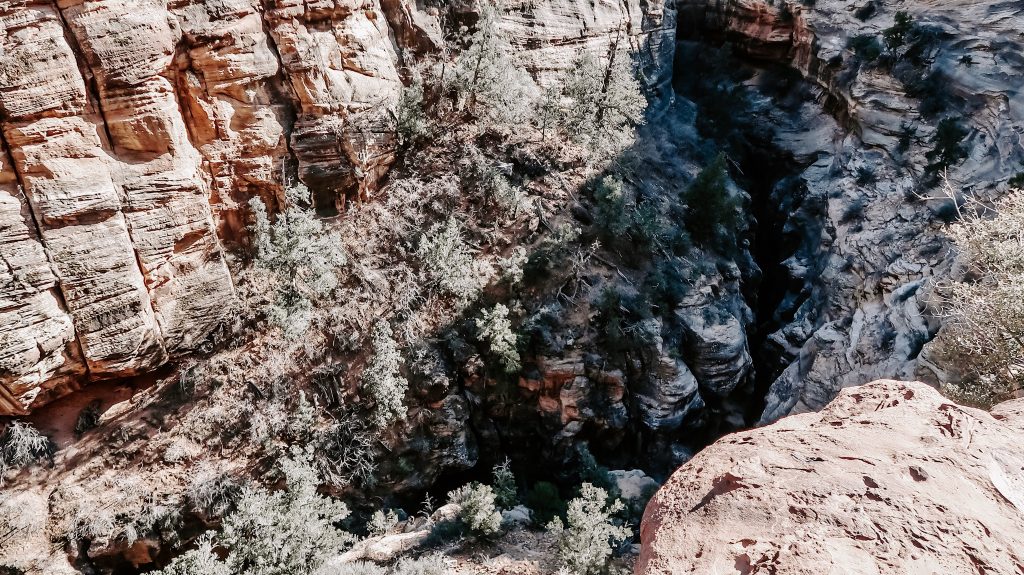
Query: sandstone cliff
x,y
888,478
135,131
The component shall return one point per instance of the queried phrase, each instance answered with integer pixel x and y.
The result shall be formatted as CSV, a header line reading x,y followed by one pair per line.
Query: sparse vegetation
x,y
588,536
866,47
300,258
21,445
494,327
478,511
486,78
711,215
506,494
949,148
448,262
382,379
381,522
286,532
983,338
601,102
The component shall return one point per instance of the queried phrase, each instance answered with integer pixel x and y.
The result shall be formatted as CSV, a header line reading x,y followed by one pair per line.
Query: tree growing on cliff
x,y
948,149
586,540
299,257
494,327
710,207
598,103
487,79
382,378
448,262
983,336
21,445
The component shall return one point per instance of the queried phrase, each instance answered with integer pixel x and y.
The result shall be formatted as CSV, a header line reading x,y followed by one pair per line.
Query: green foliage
x,y
301,256
288,532
594,473
448,261
88,418
896,36
711,210
211,492
545,502
599,103
427,565
411,122
382,378
613,207
481,174
665,286
1017,181
622,321
381,522
932,88
345,451
21,445
506,494
982,340
866,47
949,148
865,176
622,221
487,79
494,327
477,508
907,132
586,540
199,561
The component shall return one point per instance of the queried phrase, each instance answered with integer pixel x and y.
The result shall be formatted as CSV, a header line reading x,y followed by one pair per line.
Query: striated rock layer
x,y
889,478
868,225
135,131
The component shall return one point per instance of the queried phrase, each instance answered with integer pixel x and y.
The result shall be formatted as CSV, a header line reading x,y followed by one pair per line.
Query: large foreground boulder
x,y
889,478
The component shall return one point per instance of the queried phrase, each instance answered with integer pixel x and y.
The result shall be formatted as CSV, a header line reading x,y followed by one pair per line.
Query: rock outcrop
x,y
889,478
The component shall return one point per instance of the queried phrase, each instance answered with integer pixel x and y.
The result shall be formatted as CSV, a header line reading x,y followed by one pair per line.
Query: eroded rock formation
x,y
889,478
134,132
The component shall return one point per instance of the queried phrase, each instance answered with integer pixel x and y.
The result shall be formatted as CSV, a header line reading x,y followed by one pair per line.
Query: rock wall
x,y
888,478
869,240
134,132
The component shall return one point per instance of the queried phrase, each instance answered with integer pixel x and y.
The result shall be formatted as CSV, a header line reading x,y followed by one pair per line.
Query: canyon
x,y
136,132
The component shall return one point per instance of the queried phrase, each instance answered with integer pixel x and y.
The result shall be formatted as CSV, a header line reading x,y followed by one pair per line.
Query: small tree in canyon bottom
x,y
286,532
586,542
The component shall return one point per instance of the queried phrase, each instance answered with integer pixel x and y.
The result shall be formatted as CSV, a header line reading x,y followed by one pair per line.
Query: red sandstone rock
x,y
889,478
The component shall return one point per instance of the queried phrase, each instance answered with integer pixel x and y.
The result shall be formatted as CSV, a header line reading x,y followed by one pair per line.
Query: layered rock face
x,y
869,241
888,478
134,132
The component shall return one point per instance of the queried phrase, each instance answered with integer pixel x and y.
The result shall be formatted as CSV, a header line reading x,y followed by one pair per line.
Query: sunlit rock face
x,y
888,478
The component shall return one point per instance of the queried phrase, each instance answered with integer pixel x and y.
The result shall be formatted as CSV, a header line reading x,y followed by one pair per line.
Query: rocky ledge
x,y
889,478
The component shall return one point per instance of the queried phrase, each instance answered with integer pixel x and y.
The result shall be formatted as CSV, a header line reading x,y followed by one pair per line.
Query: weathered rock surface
x,y
856,307
889,478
